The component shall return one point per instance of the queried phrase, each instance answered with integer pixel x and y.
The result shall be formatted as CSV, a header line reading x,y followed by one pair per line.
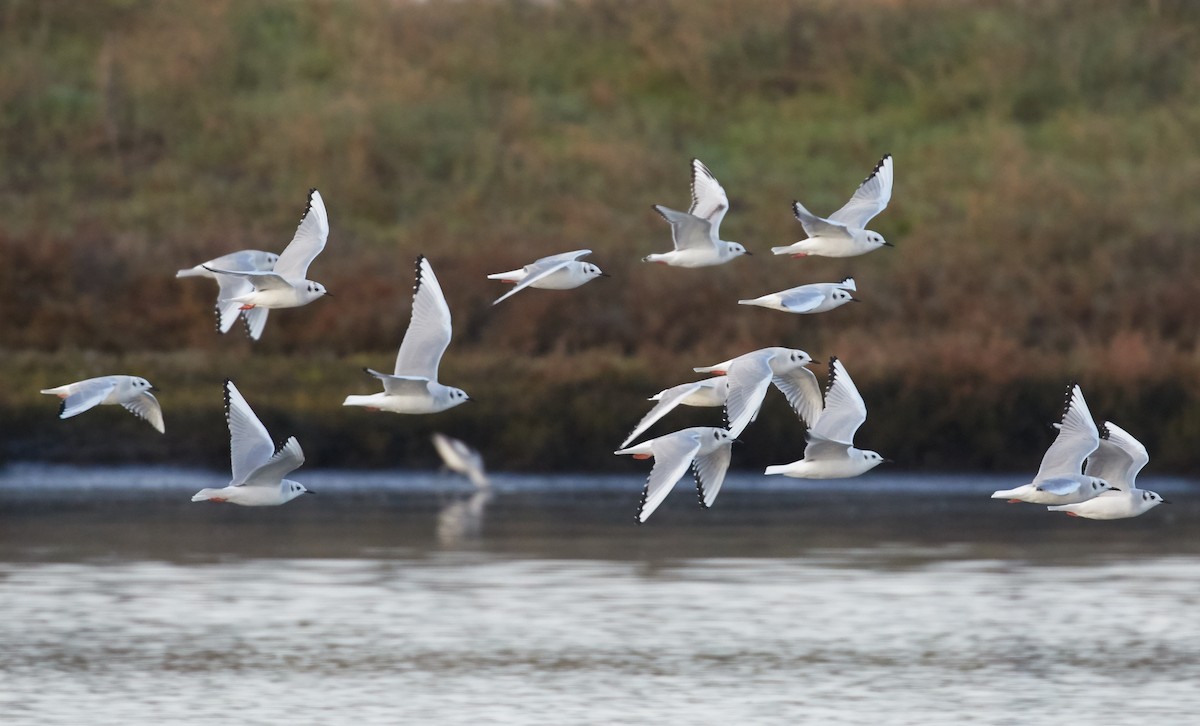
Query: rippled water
x,y
384,599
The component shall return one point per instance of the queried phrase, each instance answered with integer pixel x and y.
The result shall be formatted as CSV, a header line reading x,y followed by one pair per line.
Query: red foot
x,y
218,500
1072,514
1014,501
63,395
246,307
642,456
798,255
660,262
372,408
509,282
717,373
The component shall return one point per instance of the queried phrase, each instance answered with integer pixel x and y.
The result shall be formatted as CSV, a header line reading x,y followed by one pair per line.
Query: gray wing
x,y
255,320
801,299
749,378
145,406
308,241
250,445
260,280
286,459
542,269
710,473
228,287
845,411
1077,439
1118,458
803,394
429,330
673,456
248,260
401,385
688,231
709,200
870,198
87,395
669,400
820,448
1061,486
815,226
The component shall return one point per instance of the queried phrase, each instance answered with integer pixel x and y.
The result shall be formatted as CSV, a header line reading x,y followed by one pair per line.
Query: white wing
x,y
1077,439
85,395
1118,458
815,226
284,461
308,241
260,280
847,284
710,473
228,287
1061,486
749,378
673,455
687,231
669,399
869,199
429,331
255,320
542,269
709,201
801,299
820,448
845,411
803,394
250,445
145,406
401,385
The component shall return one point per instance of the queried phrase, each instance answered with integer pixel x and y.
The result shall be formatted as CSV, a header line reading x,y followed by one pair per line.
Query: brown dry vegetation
x,y
1044,213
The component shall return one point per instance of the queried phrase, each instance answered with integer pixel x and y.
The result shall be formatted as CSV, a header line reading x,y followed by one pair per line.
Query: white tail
x,y
776,469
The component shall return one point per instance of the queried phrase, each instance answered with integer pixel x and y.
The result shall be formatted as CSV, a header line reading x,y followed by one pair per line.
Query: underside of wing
x,y
1118,458
87,395
1060,486
688,231
401,385
820,448
667,402
429,330
845,411
539,270
869,199
258,280
709,201
1077,439
710,473
553,260
803,394
800,299
749,378
673,455
255,320
145,406
308,241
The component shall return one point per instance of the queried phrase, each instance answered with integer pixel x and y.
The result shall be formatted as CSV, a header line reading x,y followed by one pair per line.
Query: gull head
x,y
1097,485
797,357
842,297
312,290
1152,499
871,459
590,271
291,489
733,249
875,239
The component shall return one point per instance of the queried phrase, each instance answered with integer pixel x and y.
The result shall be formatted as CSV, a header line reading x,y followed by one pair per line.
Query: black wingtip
x,y
1104,432
829,381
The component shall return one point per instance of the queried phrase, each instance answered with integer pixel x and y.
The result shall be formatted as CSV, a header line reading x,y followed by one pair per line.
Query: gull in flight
x,y
696,231
1058,481
414,387
830,452
130,391
843,233
557,272
1117,460
814,298
461,458
708,392
286,284
258,466
230,286
705,449
751,374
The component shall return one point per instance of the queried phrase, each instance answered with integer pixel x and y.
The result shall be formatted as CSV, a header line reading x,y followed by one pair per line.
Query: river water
x,y
395,597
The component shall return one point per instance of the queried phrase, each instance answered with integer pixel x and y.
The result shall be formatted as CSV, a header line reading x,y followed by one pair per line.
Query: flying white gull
x,y
708,392
844,233
286,284
1059,480
1117,460
129,391
705,449
557,272
751,374
231,286
414,387
830,452
696,231
258,466
813,298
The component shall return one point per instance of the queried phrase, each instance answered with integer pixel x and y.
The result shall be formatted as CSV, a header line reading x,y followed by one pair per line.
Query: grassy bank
x,y
1047,159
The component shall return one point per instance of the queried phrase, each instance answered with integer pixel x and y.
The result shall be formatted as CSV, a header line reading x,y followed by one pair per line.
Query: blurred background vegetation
x,y
1045,217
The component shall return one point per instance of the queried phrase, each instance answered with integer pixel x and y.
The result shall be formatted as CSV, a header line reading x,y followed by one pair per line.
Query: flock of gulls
x,y
1086,472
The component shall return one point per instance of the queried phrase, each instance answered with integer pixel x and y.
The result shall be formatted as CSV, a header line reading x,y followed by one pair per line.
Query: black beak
x,y
888,244
889,461
154,388
854,299
605,274
748,252
328,294
309,491
1164,502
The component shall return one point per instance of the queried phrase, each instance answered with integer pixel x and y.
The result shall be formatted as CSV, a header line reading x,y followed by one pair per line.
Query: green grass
x,y
1047,160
